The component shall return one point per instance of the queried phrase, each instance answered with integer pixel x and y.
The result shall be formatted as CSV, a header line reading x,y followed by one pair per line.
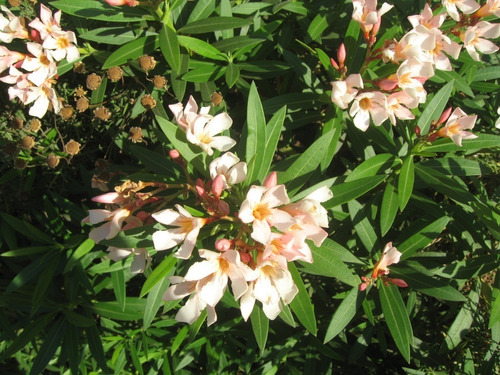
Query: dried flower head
x,y
15,3
147,62
102,113
72,147
93,81
16,123
27,143
135,134
80,92
115,73
159,82
216,98
82,104
53,160
79,67
20,164
148,101
35,125
66,112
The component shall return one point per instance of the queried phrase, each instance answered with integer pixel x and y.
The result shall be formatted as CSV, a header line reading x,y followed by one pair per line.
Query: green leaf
x,y
435,108
302,168
179,338
135,358
27,230
301,304
488,73
327,263
201,47
134,309
118,280
260,327
232,74
71,343
273,132
213,24
317,26
345,192
405,182
78,254
169,46
457,166
27,251
460,82
99,10
396,318
237,42
176,81
78,320
158,275
202,9
362,224
43,284
495,312
97,96
422,238
116,35
31,271
344,314
203,74
156,162
256,135
49,347
483,141
389,207
155,299
95,346
132,51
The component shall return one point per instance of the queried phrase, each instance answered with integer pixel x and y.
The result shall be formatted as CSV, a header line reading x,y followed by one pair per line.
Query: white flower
x,y
40,64
142,259
61,45
368,104
11,27
474,39
46,24
344,92
229,166
466,6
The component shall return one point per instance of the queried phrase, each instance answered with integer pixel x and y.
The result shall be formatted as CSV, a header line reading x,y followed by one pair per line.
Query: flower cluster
x,y
418,53
33,74
260,229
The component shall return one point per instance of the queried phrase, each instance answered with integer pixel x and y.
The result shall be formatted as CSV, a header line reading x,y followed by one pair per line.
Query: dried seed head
x,y
82,104
216,98
15,3
20,164
148,101
115,73
10,148
53,160
72,147
27,143
66,112
135,134
35,125
93,81
147,62
160,82
80,67
16,123
80,91
102,113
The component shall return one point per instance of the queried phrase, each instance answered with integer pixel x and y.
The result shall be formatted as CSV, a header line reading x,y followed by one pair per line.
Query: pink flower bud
x,y
362,286
143,215
417,130
334,63
341,54
387,84
245,257
218,185
444,116
223,244
271,180
398,282
108,198
174,154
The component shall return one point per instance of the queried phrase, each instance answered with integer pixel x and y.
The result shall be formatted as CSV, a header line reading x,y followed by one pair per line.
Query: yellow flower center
x,y
261,211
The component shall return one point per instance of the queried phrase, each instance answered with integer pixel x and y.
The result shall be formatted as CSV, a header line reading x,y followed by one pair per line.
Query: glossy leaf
x,y
405,182
132,51
232,74
99,10
118,280
95,346
389,207
301,304
116,35
256,134
155,299
49,347
396,318
344,314
158,274
434,108
345,192
169,46
134,309
483,141
201,47
376,165
363,226
260,327
213,24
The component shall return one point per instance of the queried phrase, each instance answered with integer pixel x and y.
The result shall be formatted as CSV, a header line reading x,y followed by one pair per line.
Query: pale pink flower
x,y
185,117
259,208
311,205
427,18
47,23
411,75
130,3
114,222
290,244
398,104
455,127
40,64
474,39
274,288
61,44
9,58
491,7
390,255
229,166
43,96
109,198
11,27
344,92
141,261
366,105
188,228
466,6
20,82
365,12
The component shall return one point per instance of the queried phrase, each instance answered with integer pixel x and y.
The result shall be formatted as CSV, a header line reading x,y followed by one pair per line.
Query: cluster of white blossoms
x,y
259,234
33,74
419,53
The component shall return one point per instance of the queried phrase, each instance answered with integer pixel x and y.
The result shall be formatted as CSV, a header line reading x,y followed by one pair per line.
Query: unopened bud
x,y
174,154
271,180
245,257
143,215
417,131
341,54
223,244
362,286
217,185
334,63
445,115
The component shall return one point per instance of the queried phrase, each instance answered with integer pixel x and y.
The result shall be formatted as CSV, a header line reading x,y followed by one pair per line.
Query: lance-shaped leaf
x,y
435,108
132,50
347,191
376,165
160,272
260,326
396,318
49,347
213,24
344,314
118,281
169,46
134,309
483,141
99,10
201,47
301,304
389,207
405,182
155,299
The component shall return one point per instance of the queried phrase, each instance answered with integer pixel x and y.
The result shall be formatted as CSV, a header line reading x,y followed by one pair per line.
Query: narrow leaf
x,y
118,280
301,304
344,314
260,327
169,46
435,108
405,182
49,347
213,24
256,134
159,274
132,50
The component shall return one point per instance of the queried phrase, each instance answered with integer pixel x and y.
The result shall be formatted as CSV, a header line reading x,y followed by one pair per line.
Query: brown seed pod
x,y
35,125
160,82
80,92
15,3
27,143
93,81
115,73
82,104
102,113
53,160
20,164
135,134
216,98
147,62
148,101
16,123
66,112
72,147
